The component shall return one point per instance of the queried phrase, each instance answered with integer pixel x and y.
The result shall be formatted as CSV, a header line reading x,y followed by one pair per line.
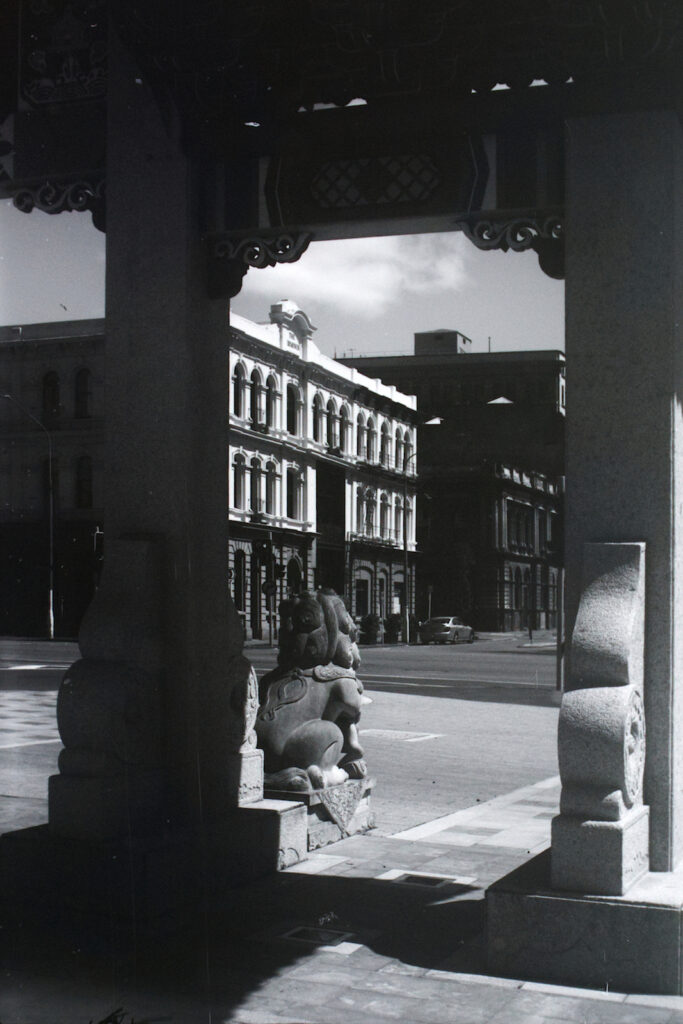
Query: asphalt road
x,y
447,726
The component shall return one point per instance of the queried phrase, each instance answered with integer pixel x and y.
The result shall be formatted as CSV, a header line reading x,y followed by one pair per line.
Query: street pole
x,y
51,515
406,604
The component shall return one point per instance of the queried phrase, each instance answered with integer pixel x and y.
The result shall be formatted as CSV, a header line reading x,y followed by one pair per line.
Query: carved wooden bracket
x,y
542,232
69,196
230,258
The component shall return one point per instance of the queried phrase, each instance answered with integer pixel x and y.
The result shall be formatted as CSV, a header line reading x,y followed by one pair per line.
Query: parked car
x,y
445,629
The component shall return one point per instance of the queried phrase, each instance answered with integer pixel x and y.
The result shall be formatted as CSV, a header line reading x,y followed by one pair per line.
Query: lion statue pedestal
x,y
307,723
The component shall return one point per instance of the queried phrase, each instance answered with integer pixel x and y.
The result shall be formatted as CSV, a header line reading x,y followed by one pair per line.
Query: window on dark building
x,y
293,494
331,437
239,475
255,488
345,429
360,436
50,398
271,478
83,394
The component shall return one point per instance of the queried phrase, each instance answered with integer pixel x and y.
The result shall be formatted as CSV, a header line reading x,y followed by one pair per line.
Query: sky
x,y
366,295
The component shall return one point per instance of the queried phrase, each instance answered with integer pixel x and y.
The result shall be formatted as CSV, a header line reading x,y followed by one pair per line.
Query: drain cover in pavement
x,y
317,936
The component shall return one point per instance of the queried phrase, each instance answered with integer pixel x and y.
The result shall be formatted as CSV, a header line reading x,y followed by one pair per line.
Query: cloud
x,y
365,276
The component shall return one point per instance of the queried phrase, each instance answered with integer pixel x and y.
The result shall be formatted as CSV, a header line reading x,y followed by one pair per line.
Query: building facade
x,y
51,474
322,476
490,485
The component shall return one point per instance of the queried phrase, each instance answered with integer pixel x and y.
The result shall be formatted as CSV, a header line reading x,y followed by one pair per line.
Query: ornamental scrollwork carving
x,y
230,258
542,233
58,197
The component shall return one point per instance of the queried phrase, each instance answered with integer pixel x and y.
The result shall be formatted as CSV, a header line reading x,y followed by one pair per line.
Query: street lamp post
x,y
51,508
406,603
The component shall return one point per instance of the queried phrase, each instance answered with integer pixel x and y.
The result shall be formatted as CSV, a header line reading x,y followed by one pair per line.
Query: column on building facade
x,y
625,429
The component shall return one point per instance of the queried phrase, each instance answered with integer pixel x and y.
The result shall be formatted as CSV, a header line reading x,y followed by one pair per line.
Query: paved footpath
x,y
374,928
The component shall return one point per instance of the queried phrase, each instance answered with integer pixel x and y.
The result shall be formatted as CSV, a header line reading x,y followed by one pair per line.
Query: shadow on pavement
x,y
206,966
504,693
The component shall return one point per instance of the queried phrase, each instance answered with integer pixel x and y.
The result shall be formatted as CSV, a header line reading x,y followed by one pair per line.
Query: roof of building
x,y
282,333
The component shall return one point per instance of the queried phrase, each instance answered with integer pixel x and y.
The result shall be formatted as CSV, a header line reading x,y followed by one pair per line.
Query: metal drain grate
x,y
317,936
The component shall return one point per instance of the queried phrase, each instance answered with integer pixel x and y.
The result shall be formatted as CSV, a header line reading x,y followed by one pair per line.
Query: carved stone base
x,y
105,807
604,857
631,943
336,812
107,895
244,775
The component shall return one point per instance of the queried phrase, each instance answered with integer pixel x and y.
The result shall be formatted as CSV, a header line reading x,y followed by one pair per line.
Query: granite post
x,y
624,298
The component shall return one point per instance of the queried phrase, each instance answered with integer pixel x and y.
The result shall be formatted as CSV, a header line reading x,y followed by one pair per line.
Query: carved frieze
x,y
58,197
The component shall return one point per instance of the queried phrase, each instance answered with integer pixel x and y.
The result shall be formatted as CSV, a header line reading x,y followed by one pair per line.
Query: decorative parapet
x,y
600,840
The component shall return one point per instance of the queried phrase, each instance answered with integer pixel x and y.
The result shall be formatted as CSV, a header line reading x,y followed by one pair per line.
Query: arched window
x,y
384,517
372,441
398,520
292,410
360,511
384,444
345,429
317,417
271,400
370,514
83,495
83,394
294,489
50,398
331,423
398,448
239,477
255,487
407,453
360,436
238,391
271,483
240,582
254,408
409,521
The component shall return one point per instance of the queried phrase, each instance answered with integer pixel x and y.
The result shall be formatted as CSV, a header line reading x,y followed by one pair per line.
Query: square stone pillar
x,y
624,442
624,470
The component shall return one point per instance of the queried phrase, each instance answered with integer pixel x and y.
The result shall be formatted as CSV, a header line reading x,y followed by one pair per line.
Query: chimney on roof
x,y
441,343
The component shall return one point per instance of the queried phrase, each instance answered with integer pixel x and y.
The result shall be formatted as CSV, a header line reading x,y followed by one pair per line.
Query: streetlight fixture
x,y
51,507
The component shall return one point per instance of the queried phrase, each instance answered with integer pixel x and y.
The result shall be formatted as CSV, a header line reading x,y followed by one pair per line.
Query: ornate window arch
x,y
384,444
293,406
271,401
255,403
398,448
384,526
345,428
331,438
372,440
271,488
318,413
238,390
398,519
239,471
407,451
255,485
360,436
